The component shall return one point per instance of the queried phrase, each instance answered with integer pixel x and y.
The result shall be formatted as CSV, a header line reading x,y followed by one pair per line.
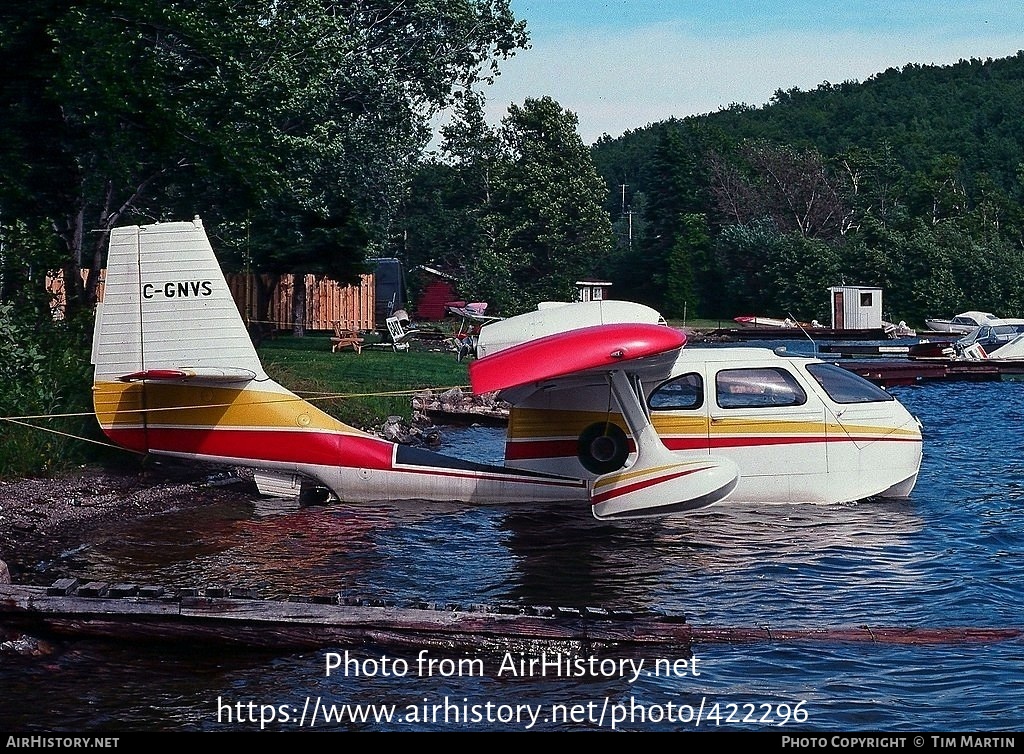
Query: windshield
x,y
843,386
683,392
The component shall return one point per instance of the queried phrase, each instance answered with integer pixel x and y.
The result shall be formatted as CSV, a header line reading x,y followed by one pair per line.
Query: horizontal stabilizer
x,y
187,374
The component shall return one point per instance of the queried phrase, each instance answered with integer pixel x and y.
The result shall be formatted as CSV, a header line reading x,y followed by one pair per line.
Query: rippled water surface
x,y
950,556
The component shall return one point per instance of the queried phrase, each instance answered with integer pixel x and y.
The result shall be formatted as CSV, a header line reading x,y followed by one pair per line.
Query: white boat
x,y
961,323
754,321
902,330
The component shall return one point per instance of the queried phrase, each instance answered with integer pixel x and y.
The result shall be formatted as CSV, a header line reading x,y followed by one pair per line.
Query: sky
x,y
622,64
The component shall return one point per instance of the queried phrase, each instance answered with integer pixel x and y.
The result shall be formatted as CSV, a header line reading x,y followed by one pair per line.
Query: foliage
x,y
447,220
517,213
42,372
550,227
912,181
151,108
292,127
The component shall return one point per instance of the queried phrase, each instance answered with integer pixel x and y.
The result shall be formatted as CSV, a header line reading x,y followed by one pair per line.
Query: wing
x,y
635,348
624,355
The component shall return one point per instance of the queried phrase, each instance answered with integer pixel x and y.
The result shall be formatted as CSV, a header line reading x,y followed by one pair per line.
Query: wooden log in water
x,y
279,624
215,617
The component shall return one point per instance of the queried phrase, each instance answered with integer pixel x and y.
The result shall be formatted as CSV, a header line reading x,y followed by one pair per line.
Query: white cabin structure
x,y
856,307
592,290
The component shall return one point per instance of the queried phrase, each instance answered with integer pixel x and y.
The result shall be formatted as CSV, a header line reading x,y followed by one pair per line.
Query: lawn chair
x,y
399,337
345,337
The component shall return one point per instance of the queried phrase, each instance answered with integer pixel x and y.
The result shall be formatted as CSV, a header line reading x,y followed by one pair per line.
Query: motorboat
x,y
765,322
992,335
962,323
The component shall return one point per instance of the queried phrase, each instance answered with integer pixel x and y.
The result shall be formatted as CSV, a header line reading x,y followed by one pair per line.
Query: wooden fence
x,y
326,302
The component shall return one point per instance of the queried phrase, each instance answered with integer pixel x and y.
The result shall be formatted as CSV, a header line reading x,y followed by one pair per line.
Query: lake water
x,y
950,556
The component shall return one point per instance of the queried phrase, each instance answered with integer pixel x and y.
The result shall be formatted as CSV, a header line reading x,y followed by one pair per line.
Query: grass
x,y
307,365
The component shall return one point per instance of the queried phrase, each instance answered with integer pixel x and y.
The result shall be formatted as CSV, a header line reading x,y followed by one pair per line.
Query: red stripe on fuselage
x,y
322,448
525,450
314,448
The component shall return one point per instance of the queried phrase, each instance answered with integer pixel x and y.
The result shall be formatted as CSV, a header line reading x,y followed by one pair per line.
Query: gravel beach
x,y
42,517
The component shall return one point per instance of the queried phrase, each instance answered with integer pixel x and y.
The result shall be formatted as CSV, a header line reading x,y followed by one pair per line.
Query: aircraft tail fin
x,y
166,305
174,365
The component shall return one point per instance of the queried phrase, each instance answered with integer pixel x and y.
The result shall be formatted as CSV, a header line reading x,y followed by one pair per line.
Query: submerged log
x,y
229,617
216,617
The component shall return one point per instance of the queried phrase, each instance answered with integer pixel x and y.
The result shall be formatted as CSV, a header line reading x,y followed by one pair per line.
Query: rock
x,y
5,573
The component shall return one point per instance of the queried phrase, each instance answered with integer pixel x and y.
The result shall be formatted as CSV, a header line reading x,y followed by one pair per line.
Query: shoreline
x,y
42,517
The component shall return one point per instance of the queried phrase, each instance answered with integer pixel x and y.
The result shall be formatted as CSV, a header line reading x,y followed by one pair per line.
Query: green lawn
x,y
307,365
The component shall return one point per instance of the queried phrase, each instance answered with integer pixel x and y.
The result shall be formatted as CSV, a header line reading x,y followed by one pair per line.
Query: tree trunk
x,y
266,286
298,304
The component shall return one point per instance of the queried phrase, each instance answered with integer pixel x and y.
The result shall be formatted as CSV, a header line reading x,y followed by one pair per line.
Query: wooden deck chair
x,y
344,337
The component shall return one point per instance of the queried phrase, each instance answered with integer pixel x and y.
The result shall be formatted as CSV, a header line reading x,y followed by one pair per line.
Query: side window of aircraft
x,y
843,386
685,392
756,388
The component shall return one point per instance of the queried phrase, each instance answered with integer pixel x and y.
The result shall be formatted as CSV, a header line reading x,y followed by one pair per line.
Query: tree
x,y
446,210
673,248
794,187
146,108
547,211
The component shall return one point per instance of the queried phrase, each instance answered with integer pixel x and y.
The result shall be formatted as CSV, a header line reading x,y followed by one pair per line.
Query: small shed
x,y
592,290
856,307
438,290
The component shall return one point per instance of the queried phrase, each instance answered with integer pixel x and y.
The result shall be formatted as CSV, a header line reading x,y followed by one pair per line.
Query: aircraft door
x,y
766,420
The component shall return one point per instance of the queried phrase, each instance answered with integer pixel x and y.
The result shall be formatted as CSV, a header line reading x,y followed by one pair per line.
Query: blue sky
x,y
621,64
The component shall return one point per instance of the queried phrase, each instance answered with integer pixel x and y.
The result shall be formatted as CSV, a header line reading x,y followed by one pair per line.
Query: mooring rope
x,y
301,395
68,434
23,420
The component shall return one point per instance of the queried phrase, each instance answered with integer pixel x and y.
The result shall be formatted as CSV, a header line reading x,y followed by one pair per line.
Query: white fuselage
x,y
769,414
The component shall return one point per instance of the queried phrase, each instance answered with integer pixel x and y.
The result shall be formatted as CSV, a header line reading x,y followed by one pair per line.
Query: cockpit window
x,y
685,392
755,388
843,386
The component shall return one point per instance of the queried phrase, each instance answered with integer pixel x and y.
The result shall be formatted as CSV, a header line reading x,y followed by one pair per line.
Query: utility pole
x,y
628,214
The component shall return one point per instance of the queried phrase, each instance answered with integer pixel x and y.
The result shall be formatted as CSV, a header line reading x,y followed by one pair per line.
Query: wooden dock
x,y
219,616
913,371
794,333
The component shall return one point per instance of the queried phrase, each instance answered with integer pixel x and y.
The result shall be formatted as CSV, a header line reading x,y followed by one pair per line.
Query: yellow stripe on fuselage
x,y
534,423
527,424
162,404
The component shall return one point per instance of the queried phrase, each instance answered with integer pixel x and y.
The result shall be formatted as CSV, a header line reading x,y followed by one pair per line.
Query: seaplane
x,y
609,409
